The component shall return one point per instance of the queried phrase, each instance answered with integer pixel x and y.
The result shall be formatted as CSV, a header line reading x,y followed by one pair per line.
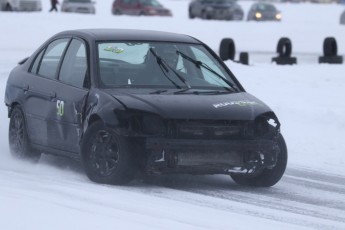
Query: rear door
x,y
40,91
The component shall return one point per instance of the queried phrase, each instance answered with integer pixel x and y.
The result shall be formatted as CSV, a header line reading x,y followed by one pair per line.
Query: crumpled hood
x,y
235,106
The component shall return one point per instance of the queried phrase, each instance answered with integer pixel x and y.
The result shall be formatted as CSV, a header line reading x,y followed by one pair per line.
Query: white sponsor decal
x,y
60,106
240,103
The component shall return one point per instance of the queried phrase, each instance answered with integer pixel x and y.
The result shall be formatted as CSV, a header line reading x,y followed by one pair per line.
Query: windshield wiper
x,y
199,64
159,91
198,92
166,68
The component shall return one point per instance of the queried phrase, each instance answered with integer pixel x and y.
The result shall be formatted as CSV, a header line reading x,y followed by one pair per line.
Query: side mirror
x,y
23,61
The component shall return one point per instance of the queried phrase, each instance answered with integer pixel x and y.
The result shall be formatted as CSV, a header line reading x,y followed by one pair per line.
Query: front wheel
x,y
268,177
107,156
18,137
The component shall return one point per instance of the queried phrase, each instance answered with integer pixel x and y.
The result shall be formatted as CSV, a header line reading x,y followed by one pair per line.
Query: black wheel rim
x,y
104,153
16,134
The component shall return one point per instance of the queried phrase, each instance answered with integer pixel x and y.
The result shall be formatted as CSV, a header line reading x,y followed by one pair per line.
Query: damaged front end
x,y
207,146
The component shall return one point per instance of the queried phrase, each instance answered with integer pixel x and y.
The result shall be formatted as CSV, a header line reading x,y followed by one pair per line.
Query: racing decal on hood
x,y
239,103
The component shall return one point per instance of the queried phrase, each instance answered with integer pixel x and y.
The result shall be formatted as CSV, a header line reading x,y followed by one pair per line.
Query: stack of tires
x,y
330,52
284,50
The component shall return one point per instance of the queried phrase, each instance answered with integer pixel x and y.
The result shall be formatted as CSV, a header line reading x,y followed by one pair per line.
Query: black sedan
x,y
263,12
216,9
128,101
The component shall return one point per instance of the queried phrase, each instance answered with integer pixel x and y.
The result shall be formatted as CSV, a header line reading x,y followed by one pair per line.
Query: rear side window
x,y
35,66
74,66
51,58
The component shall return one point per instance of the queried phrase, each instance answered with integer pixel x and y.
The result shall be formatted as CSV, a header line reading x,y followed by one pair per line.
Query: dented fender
x,y
102,106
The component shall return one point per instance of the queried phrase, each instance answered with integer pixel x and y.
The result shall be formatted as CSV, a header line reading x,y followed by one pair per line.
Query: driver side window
x,y
74,67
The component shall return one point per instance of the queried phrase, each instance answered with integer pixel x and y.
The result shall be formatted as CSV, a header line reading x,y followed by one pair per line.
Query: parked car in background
x,y
342,18
262,11
216,9
127,100
140,7
20,5
78,6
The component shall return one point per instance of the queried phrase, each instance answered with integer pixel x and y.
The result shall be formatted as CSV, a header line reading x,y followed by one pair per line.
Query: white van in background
x,y
20,5
78,6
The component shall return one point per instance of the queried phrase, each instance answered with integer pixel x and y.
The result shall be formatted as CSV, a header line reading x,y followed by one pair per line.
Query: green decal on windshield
x,y
115,49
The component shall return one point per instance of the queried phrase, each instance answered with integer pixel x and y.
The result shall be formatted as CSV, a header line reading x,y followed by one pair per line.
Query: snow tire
x,y
268,177
107,156
18,138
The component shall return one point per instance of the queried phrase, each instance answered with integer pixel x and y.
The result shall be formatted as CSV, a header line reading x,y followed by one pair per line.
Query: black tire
x,y
18,138
117,12
244,58
330,48
284,47
205,15
8,7
227,49
231,18
268,177
106,156
190,14
331,59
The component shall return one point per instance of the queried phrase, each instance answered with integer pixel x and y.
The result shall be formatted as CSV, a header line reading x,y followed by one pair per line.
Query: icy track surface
x,y
49,196
308,98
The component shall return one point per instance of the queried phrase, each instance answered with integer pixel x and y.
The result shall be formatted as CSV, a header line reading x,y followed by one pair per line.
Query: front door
x,y
71,95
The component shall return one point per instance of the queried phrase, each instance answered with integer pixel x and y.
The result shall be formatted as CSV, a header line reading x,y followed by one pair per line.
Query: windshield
x,y
160,65
220,2
266,7
150,3
81,1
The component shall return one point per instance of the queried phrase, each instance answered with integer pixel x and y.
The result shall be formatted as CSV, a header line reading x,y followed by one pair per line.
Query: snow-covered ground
x,y
308,99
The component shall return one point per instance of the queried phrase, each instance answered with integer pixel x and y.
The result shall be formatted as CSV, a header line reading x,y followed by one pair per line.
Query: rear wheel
x,y
205,15
8,7
18,137
268,177
190,14
107,156
117,12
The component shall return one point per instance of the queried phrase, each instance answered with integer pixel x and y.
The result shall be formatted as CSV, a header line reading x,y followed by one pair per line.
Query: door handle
x,y
26,88
52,95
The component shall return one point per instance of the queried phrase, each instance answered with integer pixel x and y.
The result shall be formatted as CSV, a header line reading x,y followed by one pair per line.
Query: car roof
x,y
129,34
